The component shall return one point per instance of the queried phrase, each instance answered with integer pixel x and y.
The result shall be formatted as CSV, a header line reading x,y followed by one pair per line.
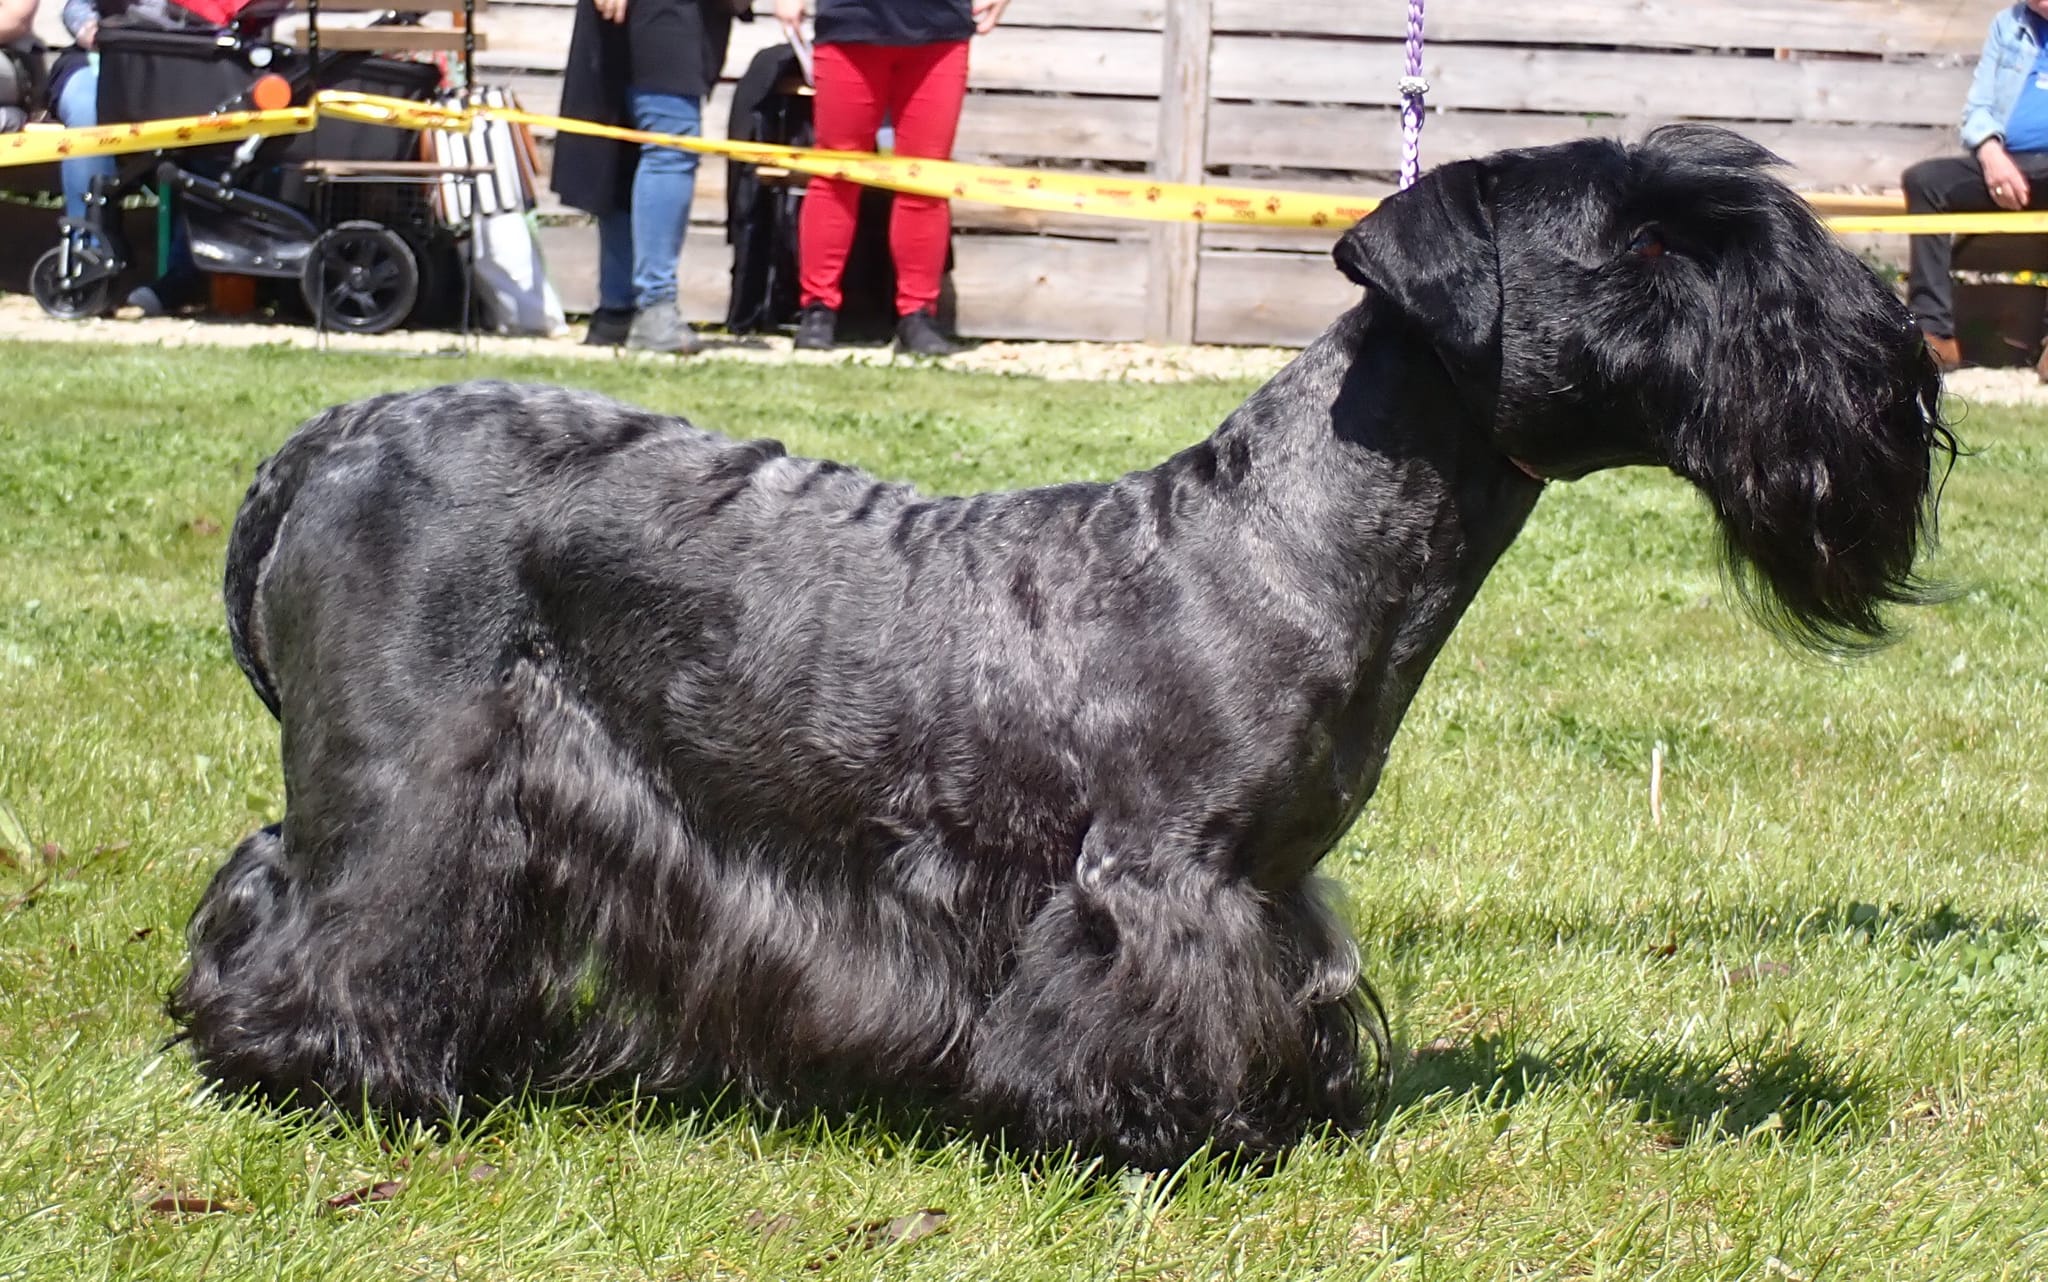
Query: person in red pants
x,y
905,60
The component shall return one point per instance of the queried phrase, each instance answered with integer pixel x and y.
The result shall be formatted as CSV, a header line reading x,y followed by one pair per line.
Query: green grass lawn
x,y
1797,1029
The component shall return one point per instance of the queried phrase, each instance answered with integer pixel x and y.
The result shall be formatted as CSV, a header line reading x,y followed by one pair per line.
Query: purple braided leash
x,y
1413,87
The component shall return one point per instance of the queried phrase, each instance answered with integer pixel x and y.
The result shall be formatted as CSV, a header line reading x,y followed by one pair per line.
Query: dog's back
x,y
392,450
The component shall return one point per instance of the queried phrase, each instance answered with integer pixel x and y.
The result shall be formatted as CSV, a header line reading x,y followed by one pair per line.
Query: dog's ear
x,y
1430,252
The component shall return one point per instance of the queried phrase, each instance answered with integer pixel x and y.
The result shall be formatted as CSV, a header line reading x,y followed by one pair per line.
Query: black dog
x,y
620,754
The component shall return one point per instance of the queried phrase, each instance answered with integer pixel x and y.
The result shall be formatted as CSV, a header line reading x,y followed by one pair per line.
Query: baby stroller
x,y
247,208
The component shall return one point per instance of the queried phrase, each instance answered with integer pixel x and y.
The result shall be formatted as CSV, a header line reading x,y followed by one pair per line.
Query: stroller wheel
x,y
85,292
361,277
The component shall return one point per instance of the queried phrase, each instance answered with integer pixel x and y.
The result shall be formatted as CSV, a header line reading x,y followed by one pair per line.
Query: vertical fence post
x,y
1179,156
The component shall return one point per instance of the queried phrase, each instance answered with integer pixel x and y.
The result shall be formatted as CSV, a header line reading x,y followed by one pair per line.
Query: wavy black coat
x,y
621,754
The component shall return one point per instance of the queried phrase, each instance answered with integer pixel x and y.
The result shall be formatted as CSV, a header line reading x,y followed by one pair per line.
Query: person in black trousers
x,y
2005,132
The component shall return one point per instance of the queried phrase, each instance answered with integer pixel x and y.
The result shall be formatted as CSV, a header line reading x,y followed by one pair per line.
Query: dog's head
x,y
1671,303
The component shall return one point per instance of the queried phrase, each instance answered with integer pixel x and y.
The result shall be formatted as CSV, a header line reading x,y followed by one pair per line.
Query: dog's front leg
x,y
1159,1004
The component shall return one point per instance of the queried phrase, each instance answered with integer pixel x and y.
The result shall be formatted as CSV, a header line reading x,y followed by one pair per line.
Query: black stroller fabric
x,y
149,71
761,218
150,74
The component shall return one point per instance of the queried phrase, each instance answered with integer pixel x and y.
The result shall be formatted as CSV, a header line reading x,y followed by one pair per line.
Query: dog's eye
x,y
1648,242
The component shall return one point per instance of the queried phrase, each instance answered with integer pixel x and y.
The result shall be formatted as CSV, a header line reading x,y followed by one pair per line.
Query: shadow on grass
x,y
1760,925
1788,1089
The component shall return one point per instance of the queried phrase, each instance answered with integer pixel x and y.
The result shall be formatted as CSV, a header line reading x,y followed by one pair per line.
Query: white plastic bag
x,y
512,286
511,280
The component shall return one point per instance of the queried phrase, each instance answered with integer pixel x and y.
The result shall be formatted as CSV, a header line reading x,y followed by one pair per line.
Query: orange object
x,y
231,295
271,93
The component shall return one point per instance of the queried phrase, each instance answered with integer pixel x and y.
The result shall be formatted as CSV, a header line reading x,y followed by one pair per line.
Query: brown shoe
x,y
1947,353
2041,366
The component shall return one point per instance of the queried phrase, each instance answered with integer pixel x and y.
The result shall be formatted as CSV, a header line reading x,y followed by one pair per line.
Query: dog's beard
x,y
1791,388
1822,474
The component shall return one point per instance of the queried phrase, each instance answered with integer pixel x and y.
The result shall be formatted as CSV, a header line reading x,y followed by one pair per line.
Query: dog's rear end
x,y
558,818
371,946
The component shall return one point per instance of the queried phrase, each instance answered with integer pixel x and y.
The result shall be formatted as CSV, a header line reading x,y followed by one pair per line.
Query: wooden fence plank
x,y
1047,287
1593,83
1117,63
1065,129
1035,59
1183,140
1896,27
535,37
1270,298
1115,15
1824,157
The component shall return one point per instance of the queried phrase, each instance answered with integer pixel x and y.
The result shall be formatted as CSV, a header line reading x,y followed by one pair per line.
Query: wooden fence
x,y
1302,94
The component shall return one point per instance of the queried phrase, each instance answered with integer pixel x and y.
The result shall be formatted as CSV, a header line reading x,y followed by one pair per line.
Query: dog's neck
x,y
1369,491
1387,485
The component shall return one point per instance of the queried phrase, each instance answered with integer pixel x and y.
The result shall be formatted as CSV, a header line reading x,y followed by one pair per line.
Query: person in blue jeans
x,y
644,64
2005,132
76,94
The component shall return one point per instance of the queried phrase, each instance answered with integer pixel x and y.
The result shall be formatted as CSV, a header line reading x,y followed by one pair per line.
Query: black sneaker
x,y
816,328
918,335
609,327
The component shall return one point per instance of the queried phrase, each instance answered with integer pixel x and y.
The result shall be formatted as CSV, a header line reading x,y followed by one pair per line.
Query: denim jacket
x,y
2009,52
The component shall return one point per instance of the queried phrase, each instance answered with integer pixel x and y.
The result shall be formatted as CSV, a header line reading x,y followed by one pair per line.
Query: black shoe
x,y
148,300
609,327
918,335
816,328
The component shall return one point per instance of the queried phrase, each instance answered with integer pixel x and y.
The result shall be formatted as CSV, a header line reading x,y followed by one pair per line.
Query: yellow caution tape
x,y
37,146
1101,195
1104,195
1941,224
401,113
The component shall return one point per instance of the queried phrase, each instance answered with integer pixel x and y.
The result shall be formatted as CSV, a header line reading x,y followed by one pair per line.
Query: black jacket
x,y
894,22
668,46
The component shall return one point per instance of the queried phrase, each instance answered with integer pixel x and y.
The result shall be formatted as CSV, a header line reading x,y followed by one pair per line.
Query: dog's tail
x,y
254,538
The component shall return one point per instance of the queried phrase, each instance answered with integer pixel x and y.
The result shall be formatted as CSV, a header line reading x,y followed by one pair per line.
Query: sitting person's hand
x,y
2002,175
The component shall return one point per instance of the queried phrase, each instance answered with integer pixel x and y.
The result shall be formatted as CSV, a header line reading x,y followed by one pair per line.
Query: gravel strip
x,y
20,318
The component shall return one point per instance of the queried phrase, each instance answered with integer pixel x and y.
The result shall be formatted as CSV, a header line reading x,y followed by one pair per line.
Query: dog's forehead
x,y
1596,167
1578,186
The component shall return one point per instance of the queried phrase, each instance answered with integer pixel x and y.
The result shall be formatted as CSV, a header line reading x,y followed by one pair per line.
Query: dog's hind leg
x,y
1156,1008
372,948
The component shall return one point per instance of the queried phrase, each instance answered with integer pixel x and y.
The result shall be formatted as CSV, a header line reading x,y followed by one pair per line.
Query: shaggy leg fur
x,y
318,973
1149,1015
